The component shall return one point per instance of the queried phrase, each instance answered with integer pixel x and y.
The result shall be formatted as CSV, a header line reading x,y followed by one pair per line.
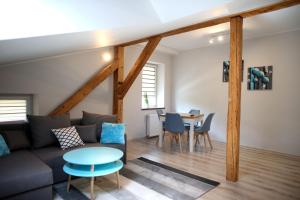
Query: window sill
x,y
153,108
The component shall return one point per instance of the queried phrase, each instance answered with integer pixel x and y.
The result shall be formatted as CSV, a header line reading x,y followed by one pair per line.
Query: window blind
x,y
149,76
13,110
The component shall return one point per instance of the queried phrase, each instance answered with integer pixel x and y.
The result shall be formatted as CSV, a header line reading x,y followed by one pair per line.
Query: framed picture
x,y
260,78
226,65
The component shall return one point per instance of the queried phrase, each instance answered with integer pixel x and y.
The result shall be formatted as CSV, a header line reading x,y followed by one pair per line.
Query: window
x,y
15,108
149,86
153,86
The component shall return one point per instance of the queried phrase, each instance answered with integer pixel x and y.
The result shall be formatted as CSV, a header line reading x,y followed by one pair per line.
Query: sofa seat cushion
x,y
53,157
22,171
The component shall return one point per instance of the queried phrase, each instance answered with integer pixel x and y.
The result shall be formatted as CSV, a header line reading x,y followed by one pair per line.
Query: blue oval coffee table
x,y
92,162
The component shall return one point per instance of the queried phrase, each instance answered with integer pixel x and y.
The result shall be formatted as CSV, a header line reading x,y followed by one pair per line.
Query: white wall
x,y
52,80
269,119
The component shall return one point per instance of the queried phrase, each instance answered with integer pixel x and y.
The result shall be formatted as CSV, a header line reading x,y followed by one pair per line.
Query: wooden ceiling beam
x,y
86,89
138,65
220,20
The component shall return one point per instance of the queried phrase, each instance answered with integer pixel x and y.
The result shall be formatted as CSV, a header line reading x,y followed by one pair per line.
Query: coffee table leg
x,y
118,179
92,183
92,188
69,183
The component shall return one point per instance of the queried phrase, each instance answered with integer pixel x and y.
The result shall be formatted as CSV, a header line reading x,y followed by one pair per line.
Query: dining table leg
x,y
191,137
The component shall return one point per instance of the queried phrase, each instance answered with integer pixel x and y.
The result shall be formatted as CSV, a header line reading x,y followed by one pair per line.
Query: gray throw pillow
x,y
41,126
98,119
87,133
16,139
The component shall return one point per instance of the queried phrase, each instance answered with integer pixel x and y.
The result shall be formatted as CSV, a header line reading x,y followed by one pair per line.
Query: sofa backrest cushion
x,y
16,139
40,127
87,133
98,119
76,122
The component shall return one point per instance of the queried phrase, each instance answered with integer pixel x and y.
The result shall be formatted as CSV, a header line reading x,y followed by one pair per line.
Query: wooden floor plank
x,y
263,174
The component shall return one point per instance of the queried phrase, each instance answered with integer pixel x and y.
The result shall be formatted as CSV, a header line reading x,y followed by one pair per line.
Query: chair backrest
x,y
194,112
159,112
207,122
174,123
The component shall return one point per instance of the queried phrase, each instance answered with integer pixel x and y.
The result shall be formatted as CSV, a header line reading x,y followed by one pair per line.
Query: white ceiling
x,y
258,26
39,28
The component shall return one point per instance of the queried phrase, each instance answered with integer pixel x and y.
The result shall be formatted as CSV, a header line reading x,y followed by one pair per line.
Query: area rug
x,y
140,179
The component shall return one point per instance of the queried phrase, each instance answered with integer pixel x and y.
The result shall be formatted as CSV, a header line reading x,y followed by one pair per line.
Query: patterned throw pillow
x,y
67,137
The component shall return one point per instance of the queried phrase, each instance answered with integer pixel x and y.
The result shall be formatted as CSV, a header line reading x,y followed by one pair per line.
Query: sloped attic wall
x,y
52,80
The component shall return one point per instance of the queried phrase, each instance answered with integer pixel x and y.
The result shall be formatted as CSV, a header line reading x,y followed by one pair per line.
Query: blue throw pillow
x,y
112,133
4,150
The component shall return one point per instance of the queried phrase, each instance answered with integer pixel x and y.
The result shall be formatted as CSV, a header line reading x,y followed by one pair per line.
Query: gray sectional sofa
x,y
29,172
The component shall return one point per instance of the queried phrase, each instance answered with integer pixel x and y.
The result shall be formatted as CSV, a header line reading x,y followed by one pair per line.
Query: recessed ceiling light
x,y
220,38
211,41
106,57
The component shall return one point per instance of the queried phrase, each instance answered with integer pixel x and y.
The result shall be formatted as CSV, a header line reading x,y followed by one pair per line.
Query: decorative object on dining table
x,y
226,65
141,176
260,78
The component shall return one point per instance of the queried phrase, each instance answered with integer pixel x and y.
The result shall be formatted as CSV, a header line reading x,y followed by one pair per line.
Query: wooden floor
x,y
263,174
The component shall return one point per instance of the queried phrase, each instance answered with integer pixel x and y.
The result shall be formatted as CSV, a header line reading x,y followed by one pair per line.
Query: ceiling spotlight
x,y
220,38
211,41
106,57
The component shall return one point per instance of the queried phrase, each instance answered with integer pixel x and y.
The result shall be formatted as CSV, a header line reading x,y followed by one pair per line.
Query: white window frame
x,y
155,66
27,97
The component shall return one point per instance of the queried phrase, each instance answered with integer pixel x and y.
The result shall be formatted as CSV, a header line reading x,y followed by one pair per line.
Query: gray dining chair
x,y
175,126
160,112
192,112
203,130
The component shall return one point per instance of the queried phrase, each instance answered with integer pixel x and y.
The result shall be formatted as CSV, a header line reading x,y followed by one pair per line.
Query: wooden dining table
x,y
187,118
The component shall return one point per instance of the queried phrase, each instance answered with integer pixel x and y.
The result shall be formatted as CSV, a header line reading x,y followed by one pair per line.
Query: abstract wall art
x,y
260,78
226,65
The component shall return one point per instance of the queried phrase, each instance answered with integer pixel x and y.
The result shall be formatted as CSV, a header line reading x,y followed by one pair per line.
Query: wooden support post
x,y
118,80
82,92
138,65
234,101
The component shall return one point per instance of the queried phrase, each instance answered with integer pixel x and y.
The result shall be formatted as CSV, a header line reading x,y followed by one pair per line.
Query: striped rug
x,y
140,179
